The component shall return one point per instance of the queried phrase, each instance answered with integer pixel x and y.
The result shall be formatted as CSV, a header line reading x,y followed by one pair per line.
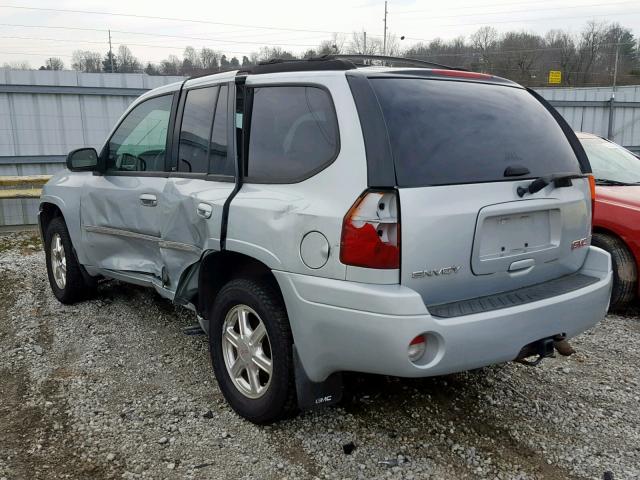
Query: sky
x,y
37,31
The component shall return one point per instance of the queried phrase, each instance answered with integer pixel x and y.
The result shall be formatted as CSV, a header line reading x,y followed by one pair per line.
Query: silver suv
x,y
322,216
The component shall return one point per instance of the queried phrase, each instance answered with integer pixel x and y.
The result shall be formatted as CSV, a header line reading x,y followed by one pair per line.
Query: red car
x,y
616,223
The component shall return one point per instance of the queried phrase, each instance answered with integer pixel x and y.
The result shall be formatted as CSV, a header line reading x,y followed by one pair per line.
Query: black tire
x,y
279,400
625,274
75,287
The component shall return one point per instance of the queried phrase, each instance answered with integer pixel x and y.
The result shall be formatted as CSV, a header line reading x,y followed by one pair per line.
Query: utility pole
x,y
613,93
110,52
384,41
364,47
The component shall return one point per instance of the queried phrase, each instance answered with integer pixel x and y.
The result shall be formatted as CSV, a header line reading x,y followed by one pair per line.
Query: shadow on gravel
x,y
444,408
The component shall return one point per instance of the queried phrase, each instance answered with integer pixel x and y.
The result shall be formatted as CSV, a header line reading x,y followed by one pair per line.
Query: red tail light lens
x,y
371,232
592,189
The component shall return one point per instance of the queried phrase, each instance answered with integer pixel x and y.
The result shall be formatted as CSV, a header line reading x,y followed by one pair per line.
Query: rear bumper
x,y
347,326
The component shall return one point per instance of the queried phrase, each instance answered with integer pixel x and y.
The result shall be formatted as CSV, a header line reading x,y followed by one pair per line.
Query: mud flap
x,y
315,394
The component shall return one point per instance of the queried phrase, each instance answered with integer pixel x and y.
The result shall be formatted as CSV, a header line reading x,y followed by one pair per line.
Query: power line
x,y
522,11
207,39
153,17
480,6
545,19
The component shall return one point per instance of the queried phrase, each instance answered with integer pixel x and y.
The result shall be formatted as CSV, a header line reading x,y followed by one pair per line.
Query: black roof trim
x,y
278,65
336,62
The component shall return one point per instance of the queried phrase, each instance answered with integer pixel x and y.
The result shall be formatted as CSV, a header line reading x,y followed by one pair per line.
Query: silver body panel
x,y
345,317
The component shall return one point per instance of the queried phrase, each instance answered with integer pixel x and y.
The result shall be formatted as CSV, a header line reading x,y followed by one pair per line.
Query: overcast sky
x,y
292,24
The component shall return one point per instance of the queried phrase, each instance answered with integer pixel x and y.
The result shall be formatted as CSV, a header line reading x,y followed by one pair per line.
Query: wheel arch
x,y
48,211
216,268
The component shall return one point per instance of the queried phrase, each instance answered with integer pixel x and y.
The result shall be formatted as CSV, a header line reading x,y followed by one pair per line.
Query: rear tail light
x,y
592,189
371,232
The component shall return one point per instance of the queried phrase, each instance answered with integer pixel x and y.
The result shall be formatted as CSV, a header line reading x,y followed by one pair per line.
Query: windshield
x,y
449,132
611,162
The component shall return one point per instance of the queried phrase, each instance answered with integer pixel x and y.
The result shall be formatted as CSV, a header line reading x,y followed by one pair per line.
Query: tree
x,y
224,63
86,61
17,65
53,63
127,63
171,66
110,63
485,42
271,53
560,54
152,69
361,44
209,60
234,62
245,61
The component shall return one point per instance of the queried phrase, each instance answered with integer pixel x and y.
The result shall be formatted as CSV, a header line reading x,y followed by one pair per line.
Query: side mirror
x,y
82,160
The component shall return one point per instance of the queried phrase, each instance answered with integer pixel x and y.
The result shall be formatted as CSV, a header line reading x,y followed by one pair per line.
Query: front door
x,y
121,210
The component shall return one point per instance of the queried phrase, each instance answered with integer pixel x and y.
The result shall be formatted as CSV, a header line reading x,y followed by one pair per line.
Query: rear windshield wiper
x,y
558,179
613,183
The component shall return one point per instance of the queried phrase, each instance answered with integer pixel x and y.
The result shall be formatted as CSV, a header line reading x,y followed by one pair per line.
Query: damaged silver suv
x,y
322,216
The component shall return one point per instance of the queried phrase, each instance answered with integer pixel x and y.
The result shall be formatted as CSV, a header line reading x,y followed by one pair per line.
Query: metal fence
x,y
45,114
591,110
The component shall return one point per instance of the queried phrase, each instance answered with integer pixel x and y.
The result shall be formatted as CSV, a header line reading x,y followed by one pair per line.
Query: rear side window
x,y
449,132
293,133
219,161
193,153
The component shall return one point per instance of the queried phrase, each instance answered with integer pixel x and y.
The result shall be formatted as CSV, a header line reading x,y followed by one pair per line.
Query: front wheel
x,y
250,344
64,272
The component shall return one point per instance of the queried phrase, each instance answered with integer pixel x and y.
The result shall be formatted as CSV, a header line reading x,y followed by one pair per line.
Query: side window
x,y
294,132
219,161
139,143
195,130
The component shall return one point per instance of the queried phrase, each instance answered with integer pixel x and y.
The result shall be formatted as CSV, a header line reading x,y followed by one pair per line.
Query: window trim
x,y
246,128
102,160
210,177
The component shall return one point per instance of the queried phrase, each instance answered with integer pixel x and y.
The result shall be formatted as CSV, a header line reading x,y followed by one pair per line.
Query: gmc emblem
x,y
583,242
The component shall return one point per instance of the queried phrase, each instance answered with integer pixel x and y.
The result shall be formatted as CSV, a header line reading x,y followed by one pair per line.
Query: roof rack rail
x,y
387,58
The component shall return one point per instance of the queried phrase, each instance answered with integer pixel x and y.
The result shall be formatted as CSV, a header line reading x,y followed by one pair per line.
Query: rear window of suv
x,y
451,132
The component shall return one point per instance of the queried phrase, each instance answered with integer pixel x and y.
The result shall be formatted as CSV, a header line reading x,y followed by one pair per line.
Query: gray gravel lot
x,y
113,388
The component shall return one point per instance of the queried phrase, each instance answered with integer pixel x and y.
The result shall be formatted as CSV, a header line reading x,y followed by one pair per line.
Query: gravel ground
x,y
113,388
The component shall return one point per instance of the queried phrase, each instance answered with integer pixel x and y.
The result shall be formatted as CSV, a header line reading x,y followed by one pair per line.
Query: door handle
x,y
148,200
204,210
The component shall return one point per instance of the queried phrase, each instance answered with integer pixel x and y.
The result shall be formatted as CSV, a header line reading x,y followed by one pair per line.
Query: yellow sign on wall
x,y
555,77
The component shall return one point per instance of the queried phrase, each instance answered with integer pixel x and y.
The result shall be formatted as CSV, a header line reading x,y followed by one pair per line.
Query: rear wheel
x,y
251,349
64,272
625,275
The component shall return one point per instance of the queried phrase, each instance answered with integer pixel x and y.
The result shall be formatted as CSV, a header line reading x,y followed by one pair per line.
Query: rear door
x,y
461,149
196,192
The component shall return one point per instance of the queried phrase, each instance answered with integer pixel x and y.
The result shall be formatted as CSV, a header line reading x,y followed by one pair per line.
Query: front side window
x,y
139,142
293,133
193,152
